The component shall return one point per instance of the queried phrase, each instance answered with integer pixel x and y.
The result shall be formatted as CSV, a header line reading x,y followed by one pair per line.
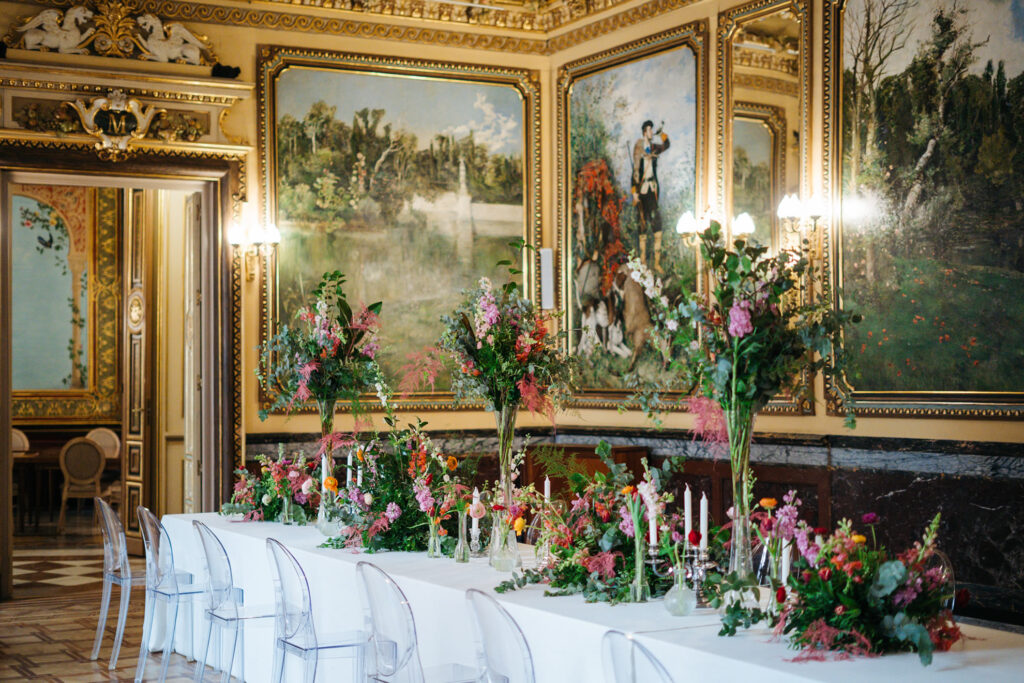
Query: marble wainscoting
x,y
978,488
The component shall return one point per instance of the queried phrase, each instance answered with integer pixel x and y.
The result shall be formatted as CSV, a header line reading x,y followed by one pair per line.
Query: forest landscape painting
x,y
932,111
632,157
413,187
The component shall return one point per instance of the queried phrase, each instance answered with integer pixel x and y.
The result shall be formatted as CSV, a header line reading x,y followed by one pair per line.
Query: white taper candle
x,y
703,521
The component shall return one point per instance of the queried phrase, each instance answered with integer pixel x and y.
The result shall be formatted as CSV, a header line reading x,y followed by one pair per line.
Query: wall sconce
x,y
688,227
253,242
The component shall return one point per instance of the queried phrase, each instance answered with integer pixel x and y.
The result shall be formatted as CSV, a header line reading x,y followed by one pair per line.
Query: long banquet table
x,y
564,633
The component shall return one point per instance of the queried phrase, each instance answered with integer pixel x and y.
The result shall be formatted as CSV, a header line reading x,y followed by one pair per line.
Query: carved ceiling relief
x,y
111,29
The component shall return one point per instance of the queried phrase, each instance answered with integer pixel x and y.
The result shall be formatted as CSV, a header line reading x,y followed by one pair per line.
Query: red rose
x,y
694,537
430,478
820,531
497,508
825,573
780,594
840,610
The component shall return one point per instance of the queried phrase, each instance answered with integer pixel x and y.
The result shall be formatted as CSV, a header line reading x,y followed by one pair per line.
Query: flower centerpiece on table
x,y
326,356
598,545
753,339
849,597
502,353
285,490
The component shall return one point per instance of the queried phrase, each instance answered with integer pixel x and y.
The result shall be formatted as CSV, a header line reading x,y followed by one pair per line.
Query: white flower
x,y
368,498
267,499
635,275
664,302
694,345
672,324
380,394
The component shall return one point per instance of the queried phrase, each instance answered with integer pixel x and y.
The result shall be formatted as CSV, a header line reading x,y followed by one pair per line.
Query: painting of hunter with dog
x,y
632,173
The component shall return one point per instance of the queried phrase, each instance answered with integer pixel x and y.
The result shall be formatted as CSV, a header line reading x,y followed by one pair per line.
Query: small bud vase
x,y
434,541
681,600
462,547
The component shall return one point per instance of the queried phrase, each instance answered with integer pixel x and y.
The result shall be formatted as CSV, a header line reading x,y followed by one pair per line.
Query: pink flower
x,y
392,512
626,524
739,320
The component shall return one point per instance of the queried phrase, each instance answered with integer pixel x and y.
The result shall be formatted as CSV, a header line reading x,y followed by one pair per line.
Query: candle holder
x,y
698,564
474,543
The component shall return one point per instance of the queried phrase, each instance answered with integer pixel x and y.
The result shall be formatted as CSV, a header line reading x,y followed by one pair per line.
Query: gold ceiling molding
x,y
772,85
306,17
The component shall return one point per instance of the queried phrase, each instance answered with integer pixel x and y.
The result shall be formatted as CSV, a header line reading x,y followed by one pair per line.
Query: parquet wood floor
x,y
50,639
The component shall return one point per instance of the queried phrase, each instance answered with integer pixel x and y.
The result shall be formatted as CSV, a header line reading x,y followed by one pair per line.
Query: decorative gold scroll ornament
x,y
111,30
115,120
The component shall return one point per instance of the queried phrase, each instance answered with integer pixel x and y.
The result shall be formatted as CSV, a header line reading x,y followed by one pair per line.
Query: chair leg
x,y
172,622
122,617
278,662
63,511
102,624
147,630
201,662
310,666
234,646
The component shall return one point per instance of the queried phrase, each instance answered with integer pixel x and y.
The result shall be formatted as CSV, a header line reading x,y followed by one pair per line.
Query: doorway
x,y
173,393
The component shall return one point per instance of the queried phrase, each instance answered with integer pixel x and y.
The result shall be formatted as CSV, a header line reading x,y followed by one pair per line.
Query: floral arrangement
x,y
756,336
597,546
326,356
285,489
502,351
852,597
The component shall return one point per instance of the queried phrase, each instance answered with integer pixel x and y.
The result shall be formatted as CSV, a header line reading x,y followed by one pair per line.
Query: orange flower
x,y
858,538
359,454
452,462
331,484
768,503
627,490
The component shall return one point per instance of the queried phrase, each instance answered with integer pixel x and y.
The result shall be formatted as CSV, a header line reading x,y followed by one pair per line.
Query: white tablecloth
x,y
564,633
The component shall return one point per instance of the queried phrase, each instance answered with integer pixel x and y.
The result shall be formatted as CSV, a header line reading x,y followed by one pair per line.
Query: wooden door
x,y
136,468
192,382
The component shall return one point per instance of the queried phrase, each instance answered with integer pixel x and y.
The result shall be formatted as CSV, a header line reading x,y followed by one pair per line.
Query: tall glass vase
x,y
462,547
638,589
434,541
739,421
504,553
325,408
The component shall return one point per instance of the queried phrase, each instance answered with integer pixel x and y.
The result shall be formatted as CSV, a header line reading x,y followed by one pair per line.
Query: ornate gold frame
x,y
728,22
937,404
774,119
272,60
100,400
693,36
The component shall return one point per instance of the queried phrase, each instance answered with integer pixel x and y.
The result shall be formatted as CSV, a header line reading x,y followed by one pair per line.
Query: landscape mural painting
x,y
632,157
932,183
753,188
53,240
413,187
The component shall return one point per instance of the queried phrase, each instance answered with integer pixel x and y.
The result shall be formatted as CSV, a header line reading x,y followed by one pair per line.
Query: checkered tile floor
x,y
51,572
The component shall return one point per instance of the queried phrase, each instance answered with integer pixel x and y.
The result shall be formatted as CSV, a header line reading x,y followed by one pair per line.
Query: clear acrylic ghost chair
x,y
225,605
164,584
395,652
294,630
504,653
116,572
627,661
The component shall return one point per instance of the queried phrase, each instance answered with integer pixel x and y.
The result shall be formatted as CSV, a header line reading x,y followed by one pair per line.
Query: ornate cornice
x,y
470,27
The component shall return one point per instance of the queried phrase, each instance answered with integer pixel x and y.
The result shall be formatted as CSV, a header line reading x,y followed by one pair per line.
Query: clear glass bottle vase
x,y
462,547
434,540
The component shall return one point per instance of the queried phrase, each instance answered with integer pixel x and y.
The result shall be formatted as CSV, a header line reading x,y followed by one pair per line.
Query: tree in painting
x,y
630,183
933,193
413,201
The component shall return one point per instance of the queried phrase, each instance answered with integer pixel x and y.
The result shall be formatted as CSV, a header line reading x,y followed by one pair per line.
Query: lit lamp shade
x,y
271,234
815,206
743,224
237,235
790,207
687,224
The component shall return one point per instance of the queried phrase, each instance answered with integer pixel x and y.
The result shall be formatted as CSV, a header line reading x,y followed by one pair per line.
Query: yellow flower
x,y
857,538
453,462
768,503
519,525
627,490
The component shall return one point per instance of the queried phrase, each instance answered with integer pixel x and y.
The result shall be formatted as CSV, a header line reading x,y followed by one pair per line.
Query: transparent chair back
x,y
504,652
220,587
294,607
392,625
627,661
941,559
115,550
160,574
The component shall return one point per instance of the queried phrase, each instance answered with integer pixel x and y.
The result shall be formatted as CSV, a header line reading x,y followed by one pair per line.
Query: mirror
x,y
762,115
